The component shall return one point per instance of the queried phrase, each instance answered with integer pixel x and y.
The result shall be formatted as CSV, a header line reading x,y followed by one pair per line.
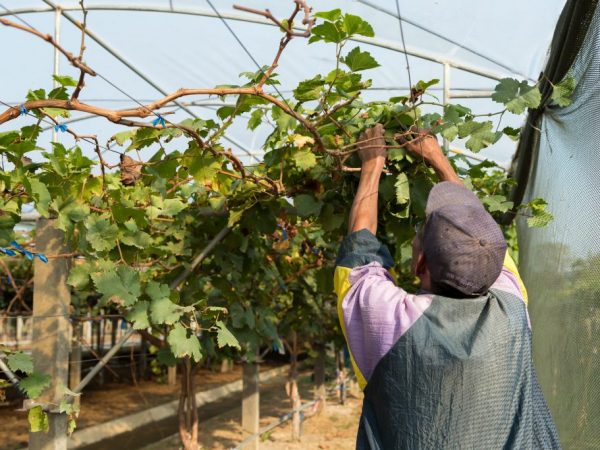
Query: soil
x,y
334,428
110,401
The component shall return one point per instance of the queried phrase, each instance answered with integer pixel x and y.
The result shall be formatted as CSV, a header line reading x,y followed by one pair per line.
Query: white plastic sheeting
x,y
182,44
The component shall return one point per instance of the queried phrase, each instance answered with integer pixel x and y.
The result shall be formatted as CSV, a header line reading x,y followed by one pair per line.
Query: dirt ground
x,y
111,401
334,428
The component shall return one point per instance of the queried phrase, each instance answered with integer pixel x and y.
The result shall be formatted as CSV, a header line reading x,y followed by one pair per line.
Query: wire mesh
x,y
561,263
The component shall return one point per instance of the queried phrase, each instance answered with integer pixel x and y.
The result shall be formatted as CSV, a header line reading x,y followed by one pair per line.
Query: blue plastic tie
x,y
159,120
284,233
42,257
7,251
24,111
60,127
16,245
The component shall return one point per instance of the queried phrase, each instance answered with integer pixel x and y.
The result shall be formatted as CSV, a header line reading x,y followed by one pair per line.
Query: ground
x,y
334,428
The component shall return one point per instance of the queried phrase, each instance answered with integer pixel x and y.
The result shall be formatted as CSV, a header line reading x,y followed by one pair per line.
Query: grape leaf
x,y
480,134
35,384
307,205
183,344
101,234
65,80
357,60
225,337
305,159
138,315
402,189
162,309
121,286
497,203
563,91
517,95
38,420
356,25
20,361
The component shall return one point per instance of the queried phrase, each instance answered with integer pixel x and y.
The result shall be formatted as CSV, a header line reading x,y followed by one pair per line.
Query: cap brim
x,y
449,193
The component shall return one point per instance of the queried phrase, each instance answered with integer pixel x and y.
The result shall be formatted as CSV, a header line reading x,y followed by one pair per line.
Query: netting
x,y
561,263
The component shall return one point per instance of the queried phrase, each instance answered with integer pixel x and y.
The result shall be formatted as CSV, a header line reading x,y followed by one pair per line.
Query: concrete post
x,y
251,403
50,343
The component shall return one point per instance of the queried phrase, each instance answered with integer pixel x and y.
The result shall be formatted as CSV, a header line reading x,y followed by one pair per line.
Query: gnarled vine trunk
x,y
188,410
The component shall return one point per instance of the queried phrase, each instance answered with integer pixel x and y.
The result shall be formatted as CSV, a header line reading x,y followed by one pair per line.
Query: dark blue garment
x,y
462,377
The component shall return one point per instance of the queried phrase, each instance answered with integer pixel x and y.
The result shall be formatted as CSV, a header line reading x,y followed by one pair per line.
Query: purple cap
x,y
463,245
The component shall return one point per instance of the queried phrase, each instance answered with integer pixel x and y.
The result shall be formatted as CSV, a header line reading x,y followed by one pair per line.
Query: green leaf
x,y
234,216
255,119
517,95
357,60
101,234
162,309
540,216
35,384
306,205
309,89
327,32
38,420
20,361
172,207
138,315
40,194
134,237
304,159
144,137
480,134
356,25
203,169
184,344
330,16
65,80
79,276
512,133
563,91
123,136
402,189
120,286
166,357
497,203
225,337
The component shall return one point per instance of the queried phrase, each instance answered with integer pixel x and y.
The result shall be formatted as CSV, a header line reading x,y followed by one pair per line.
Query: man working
x,y
451,366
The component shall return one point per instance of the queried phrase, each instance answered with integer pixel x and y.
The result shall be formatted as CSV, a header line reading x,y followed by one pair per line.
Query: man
x,y
449,367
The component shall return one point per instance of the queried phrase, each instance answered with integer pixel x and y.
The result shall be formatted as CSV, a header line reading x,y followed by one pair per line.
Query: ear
x,y
421,266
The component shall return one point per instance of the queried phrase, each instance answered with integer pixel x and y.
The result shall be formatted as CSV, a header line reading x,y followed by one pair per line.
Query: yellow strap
x,y
512,267
342,285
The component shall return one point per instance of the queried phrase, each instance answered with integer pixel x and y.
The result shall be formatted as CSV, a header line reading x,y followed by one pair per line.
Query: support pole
x,y
75,357
446,98
57,14
50,340
251,403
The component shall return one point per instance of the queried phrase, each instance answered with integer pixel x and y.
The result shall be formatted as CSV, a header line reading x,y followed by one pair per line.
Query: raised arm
x,y
426,146
363,214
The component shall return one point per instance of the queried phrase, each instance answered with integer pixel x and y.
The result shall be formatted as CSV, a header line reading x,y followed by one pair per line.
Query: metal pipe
x,y
250,19
9,373
446,98
56,58
470,94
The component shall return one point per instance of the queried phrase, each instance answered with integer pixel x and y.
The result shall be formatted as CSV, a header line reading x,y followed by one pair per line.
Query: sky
x,y
176,50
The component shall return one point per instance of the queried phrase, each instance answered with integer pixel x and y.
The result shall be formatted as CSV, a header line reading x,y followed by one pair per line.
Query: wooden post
x,y
50,343
75,357
19,331
251,403
172,375
293,389
320,390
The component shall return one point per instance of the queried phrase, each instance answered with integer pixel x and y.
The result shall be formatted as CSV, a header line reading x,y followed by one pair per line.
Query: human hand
x,y
371,147
423,145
